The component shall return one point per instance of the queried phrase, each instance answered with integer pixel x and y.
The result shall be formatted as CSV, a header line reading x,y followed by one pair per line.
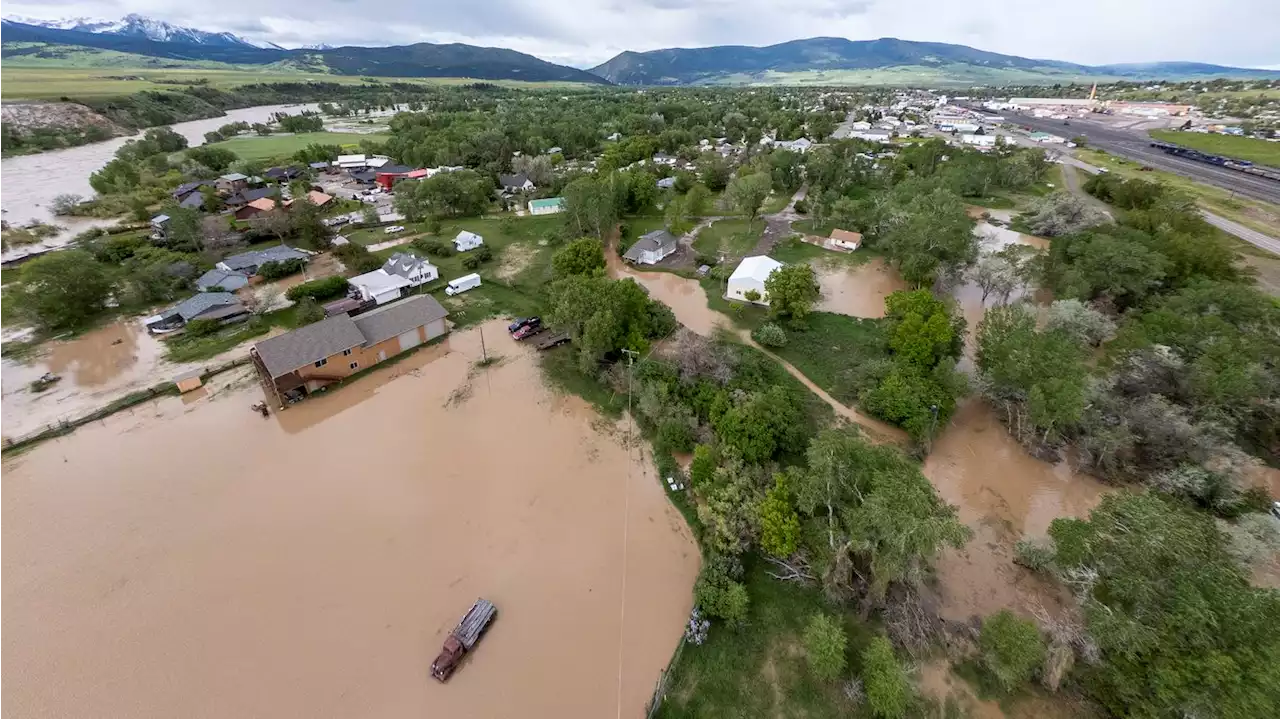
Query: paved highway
x,y
1135,146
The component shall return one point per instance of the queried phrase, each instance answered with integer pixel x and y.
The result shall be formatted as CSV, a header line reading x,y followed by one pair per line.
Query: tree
x,y
769,334
460,193
65,204
589,207
183,230
605,316
702,468
928,235
1012,649
888,691
1116,264
308,311
1080,321
993,274
779,523
583,256
922,331
715,174
1062,213
792,291
62,290
536,167
760,424
748,193
216,159
824,645
308,225
719,595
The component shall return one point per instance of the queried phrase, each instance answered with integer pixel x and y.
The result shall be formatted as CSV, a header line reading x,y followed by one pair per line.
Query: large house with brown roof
x,y
297,363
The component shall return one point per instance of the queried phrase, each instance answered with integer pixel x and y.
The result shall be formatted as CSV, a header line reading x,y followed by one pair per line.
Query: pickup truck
x,y
463,638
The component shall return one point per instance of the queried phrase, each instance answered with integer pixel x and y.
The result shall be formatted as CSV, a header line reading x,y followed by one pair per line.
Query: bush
x,y
321,289
1035,554
477,257
308,311
824,645
802,207
202,328
885,681
718,594
770,335
435,247
1012,648
276,270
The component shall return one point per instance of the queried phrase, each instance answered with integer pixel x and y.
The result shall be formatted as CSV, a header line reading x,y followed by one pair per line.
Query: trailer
x,y
463,639
553,339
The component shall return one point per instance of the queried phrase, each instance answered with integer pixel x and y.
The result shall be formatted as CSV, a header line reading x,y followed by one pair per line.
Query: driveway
x,y
778,225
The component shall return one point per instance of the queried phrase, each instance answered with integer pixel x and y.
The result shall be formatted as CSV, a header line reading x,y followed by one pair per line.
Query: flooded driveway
x,y
200,561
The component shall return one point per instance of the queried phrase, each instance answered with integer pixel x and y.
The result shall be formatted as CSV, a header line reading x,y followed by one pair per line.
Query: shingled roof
x,y
307,345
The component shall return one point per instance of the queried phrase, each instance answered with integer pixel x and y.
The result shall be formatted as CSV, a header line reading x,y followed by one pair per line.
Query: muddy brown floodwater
x,y
197,560
857,291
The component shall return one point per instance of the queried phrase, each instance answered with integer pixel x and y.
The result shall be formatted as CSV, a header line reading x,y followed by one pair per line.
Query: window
x,y
346,353
354,365
322,363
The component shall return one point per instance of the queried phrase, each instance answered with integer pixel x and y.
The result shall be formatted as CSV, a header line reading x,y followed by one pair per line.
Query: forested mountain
x,y
833,58
419,60
140,26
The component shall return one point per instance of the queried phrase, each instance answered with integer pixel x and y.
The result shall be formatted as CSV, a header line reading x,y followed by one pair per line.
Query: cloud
x,y
585,32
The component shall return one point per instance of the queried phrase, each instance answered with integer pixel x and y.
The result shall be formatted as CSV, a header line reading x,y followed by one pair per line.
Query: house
x,y
364,177
516,183
415,269
221,306
800,145
351,162
187,188
666,183
222,280
319,166
257,207
979,140
652,248
247,263
555,150
232,182
750,276
318,198
860,125
309,358
467,241
846,239
548,206
160,227
377,161
663,158
244,197
283,174
379,286
189,381
872,135
193,201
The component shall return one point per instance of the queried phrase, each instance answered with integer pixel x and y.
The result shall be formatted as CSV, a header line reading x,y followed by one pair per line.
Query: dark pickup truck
x,y
463,638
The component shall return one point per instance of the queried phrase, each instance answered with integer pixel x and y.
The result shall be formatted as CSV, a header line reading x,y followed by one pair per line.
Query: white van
x,y
462,284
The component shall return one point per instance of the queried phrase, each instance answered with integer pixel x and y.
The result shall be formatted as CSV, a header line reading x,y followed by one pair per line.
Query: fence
x,y
660,689
64,426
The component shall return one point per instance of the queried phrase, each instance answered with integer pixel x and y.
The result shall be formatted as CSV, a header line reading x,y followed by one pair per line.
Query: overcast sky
x,y
585,32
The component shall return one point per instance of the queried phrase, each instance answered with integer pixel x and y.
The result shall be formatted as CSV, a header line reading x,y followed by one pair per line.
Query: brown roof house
x,y
845,239
297,363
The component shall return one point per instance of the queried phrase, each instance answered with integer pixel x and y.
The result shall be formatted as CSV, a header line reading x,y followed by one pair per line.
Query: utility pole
x,y
484,353
631,360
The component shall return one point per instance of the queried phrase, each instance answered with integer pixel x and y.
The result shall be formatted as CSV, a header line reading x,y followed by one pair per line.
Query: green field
x,y
733,238
86,83
1252,149
282,146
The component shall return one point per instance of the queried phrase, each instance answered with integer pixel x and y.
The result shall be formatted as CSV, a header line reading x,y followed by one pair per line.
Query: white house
x,y
651,248
516,183
379,286
467,241
860,125
801,145
750,275
663,158
979,140
348,162
415,269
846,239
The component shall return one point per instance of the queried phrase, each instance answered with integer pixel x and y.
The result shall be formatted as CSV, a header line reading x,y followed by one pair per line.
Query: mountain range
x,y
820,61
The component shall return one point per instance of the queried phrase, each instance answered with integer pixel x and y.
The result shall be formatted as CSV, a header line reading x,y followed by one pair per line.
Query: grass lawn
x,y
761,670
793,250
1261,216
776,202
636,226
254,147
732,238
830,345
1243,148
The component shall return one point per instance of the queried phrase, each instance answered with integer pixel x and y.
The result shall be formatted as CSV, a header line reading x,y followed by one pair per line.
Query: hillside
x,y
828,60
419,60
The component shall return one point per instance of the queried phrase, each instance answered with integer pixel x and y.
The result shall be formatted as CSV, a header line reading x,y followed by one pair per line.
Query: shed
x,y
467,241
846,239
751,275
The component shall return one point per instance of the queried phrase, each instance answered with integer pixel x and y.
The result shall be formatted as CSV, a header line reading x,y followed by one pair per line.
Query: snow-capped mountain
x,y
140,26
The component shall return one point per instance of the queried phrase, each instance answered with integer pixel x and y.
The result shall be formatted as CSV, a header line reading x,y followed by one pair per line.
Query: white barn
x,y
467,241
751,275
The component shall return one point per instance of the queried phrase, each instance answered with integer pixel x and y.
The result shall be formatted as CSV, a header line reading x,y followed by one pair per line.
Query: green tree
x,y
779,523
715,174
703,467
62,290
216,159
888,691
1012,648
748,192
589,207
583,256
308,311
929,234
922,331
792,291
824,645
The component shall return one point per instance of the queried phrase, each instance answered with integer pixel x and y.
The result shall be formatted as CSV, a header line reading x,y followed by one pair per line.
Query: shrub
x,y
824,645
770,335
202,328
802,207
309,311
884,679
321,289
1035,554
471,262
435,247
276,270
1012,648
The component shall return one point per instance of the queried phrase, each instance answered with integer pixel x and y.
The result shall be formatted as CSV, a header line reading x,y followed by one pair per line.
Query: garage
x,y
410,339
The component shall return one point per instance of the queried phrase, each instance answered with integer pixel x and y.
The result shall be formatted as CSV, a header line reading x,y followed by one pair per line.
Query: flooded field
x,y
857,291
197,560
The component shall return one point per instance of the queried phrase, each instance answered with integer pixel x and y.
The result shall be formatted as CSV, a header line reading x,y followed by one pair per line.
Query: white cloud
x,y
585,32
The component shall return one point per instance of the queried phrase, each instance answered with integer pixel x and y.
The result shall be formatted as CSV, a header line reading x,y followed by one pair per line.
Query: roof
x,y
319,165
846,236
667,182
350,158
318,198
404,264
192,201
379,281
546,202
247,196
650,242
255,258
516,180
159,219
199,304
467,235
757,268
366,176
233,177
394,170
187,188
221,278
262,203
399,317
307,345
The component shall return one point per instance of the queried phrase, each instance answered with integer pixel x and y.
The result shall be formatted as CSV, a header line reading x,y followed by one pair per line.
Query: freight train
x,y
1227,162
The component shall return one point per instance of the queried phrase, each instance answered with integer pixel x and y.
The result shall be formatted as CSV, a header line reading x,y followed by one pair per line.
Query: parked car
x,y
394,229
528,330
522,321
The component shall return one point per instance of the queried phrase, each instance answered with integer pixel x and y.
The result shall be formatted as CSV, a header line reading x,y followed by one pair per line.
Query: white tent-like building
x,y
750,275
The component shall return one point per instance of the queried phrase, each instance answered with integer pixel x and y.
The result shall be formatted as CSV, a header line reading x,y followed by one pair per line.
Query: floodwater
x,y
857,291
1003,494
969,295
32,181
684,296
201,561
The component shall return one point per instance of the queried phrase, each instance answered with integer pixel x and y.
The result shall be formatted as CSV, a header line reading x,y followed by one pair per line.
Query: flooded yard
x,y
857,291
197,560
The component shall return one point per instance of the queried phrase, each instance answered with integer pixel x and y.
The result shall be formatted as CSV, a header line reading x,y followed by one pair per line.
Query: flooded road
x,y
200,561
857,291
32,181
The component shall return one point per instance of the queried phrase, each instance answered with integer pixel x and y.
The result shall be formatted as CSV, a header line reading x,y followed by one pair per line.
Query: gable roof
x,y
757,268
256,258
187,188
399,317
404,264
307,345
196,305
846,236
221,278
234,177
192,201
378,281
650,242
262,203
390,169
318,198
516,180
467,236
